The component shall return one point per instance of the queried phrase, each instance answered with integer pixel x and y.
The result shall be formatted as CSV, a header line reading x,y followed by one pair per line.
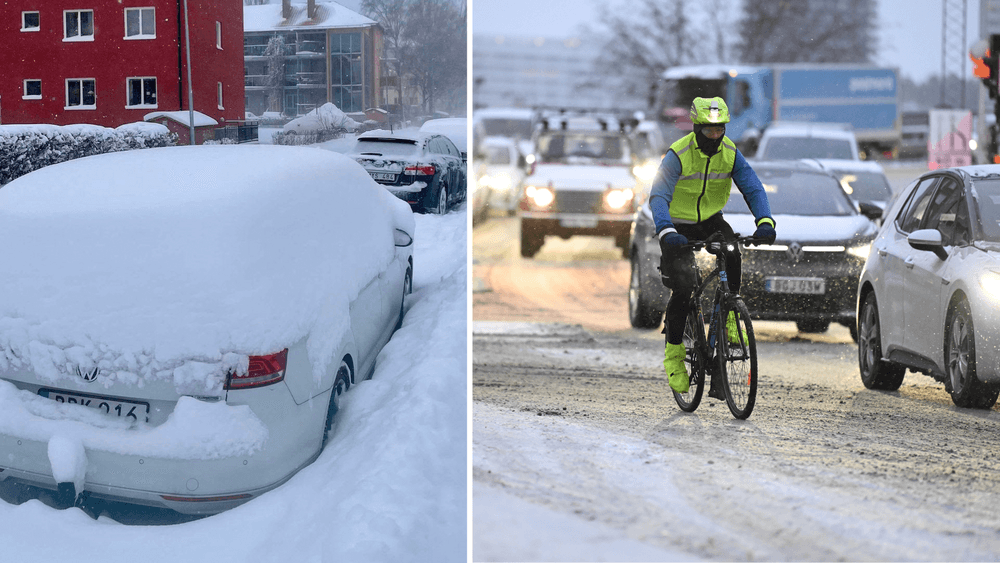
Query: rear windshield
x,y
865,186
794,148
796,193
385,147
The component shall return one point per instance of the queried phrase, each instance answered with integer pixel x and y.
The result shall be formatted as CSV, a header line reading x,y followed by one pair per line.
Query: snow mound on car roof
x,y
143,262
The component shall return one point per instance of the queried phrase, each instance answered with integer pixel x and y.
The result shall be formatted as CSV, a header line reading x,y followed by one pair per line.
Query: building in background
x,y
107,63
511,71
330,54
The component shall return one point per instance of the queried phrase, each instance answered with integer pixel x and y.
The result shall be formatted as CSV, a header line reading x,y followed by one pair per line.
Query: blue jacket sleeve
x,y
661,193
751,188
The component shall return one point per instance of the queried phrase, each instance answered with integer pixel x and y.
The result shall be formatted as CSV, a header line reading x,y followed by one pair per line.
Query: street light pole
x,y
187,48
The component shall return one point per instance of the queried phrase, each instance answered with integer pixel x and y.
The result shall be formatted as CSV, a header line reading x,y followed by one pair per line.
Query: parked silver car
x,y
809,275
929,293
177,325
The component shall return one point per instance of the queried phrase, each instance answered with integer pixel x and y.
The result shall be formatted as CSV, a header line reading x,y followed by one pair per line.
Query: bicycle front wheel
x,y
736,352
694,336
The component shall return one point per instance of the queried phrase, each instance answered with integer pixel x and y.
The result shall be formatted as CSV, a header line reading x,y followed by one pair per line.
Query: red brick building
x,y
110,62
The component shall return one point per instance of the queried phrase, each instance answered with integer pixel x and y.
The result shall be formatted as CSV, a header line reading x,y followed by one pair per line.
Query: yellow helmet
x,y
709,111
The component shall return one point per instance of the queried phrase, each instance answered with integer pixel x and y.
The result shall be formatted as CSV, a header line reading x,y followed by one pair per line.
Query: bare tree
x,y
434,51
787,31
391,15
275,53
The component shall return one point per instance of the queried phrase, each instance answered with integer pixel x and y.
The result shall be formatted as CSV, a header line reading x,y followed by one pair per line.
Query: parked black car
x,y
809,275
425,170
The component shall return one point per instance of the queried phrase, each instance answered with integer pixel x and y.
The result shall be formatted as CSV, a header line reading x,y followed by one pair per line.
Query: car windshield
x,y
386,147
794,148
497,155
574,146
865,186
791,192
988,200
510,128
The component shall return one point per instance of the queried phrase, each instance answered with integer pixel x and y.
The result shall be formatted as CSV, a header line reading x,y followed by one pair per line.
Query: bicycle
x,y
711,354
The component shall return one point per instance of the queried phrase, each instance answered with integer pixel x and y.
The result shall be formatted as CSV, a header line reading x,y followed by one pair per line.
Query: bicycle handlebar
x,y
717,238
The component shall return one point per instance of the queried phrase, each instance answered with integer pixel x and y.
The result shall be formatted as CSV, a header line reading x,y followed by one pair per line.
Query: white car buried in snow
x,y
177,325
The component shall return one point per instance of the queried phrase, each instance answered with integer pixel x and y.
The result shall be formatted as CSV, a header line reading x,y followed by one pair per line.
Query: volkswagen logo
x,y
88,375
795,251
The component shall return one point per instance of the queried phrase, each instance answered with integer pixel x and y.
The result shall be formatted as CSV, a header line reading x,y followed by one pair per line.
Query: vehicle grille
x,y
578,201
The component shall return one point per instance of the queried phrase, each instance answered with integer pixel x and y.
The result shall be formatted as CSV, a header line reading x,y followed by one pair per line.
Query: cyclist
x,y
688,193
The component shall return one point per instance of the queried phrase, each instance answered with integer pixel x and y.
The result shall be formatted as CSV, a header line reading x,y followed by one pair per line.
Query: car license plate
x,y
387,176
814,286
112,407
578,222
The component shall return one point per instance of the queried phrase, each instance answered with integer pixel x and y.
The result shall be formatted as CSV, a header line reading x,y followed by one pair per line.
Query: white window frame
x,y
24,26
142,85
218,35
81,106
220,96
24,92
80,37
141,34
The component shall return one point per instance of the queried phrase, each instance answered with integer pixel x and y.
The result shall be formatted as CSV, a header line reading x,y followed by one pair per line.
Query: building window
x,y
29,21
140,23
218,35
141,93
81,93
32,89
78,25
220,96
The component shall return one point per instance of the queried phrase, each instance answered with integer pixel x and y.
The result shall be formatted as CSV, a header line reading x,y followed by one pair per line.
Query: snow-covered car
x,y
423,169
928,295
326,117
455,128
517,124
863,180
582,184
792,140
502,172
177,325
809,275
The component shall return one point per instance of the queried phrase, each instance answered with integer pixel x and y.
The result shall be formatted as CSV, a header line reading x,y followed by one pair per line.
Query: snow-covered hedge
x,y
25,148
282,138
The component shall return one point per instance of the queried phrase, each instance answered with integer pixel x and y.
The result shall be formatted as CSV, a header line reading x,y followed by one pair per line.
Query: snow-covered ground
x,y
390,485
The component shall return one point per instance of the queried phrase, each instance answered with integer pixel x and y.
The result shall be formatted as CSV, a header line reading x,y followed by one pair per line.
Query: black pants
x,y
679,268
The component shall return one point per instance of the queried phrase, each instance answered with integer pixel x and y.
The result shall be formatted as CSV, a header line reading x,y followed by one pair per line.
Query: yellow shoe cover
x,y
673,365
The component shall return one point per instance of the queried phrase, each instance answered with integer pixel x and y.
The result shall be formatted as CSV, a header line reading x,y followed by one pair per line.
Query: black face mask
x,y
707,146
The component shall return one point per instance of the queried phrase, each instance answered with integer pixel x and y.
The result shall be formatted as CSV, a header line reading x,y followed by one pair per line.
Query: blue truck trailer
x,y
866,97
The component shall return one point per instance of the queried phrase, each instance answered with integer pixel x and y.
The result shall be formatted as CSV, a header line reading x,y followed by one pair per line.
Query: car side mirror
x,y
929,240
870,210
401,238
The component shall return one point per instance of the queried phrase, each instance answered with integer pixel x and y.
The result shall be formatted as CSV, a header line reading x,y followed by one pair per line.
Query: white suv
x,y
792,140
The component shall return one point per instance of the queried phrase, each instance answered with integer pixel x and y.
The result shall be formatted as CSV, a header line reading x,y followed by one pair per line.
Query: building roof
x,y
182,116
267,17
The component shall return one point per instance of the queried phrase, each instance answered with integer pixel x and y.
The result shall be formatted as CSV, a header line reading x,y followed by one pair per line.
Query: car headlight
x,y
501,183
617,199
860,251
646,172
540,197
990,282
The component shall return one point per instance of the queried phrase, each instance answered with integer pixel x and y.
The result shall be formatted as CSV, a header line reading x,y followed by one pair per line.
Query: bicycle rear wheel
x,y
694,334
738,360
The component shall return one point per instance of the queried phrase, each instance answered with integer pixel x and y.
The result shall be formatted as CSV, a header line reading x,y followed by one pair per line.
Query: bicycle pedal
x,y
715,392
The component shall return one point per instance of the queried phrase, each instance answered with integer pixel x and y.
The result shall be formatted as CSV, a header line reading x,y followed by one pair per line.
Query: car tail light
x,y
419,170
262,370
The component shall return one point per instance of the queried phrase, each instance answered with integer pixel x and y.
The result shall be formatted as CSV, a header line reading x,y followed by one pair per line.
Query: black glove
x,y
765,233
670,242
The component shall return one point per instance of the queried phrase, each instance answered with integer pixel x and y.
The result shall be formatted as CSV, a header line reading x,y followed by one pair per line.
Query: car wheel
x,y
967,391
876,372
812,326
530,243
407,289
640,313
442,200
622,243
340,386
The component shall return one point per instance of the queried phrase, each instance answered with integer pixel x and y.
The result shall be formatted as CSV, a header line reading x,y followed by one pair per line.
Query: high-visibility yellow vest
x,y
704,185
